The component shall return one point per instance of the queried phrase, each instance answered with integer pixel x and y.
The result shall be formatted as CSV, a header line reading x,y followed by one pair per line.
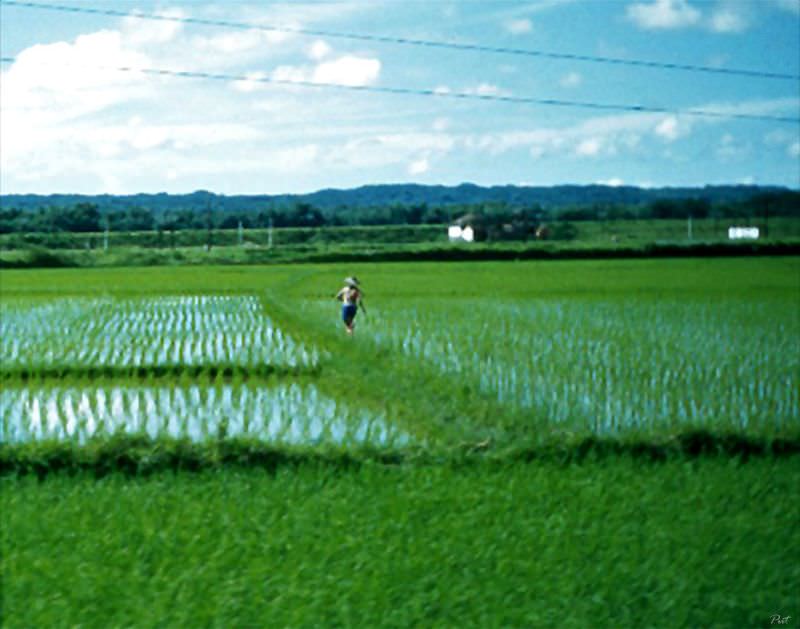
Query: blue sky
x,y
69,122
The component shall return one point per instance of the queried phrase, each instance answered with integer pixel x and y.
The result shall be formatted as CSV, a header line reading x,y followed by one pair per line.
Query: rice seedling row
x,y
281,414
610,366
189,331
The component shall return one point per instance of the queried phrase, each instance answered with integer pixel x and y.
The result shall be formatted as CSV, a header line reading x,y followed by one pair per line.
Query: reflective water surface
x,y
287,413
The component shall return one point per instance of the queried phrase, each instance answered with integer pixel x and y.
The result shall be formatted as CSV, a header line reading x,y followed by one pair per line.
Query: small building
x,y
738,233
468,228
457,233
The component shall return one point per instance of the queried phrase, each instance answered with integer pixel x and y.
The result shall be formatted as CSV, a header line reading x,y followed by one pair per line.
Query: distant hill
x,y
329,200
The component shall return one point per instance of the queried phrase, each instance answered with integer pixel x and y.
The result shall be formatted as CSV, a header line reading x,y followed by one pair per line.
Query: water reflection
x,y
193,330
287,413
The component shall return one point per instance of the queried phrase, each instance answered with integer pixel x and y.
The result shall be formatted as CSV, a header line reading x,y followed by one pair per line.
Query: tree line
x,y
92,217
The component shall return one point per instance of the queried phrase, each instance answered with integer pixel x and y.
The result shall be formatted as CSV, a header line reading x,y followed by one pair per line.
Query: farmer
x,y
351,298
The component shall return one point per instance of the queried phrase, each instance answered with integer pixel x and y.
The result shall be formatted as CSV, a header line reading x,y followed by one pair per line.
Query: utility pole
x,y
269,234
208,223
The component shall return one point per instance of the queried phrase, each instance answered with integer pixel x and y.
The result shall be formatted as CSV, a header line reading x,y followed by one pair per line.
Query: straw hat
x,y
351,281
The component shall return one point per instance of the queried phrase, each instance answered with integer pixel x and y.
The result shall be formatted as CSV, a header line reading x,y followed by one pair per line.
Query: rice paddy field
x,y
532,444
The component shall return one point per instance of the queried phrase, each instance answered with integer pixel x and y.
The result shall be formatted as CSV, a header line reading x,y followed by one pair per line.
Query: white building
x,y
737,233
456,233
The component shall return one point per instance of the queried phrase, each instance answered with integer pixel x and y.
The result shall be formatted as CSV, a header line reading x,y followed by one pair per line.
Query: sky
x,y
72,122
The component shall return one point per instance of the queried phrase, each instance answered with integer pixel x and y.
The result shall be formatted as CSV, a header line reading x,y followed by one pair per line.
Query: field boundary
x,y
141,455
148,373
36,257
425,405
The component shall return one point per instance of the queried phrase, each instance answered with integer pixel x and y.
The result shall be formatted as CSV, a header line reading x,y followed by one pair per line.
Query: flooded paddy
x,y
611,365
159,331
285,413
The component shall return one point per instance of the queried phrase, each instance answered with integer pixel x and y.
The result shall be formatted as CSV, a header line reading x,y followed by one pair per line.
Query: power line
x,y
384,39
524,100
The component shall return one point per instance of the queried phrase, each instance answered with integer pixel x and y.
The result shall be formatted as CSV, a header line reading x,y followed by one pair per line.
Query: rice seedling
x,y
283,413
149,332
610,365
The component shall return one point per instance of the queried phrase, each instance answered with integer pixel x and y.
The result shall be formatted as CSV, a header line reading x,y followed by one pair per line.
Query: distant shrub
x,y
37,257
563,231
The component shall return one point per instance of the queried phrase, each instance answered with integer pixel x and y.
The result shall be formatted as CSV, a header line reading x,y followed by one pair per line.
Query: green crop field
x,y
563,443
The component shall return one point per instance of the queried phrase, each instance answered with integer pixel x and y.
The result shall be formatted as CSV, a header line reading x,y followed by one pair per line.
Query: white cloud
x,y
141,136
663,14
291,74
138,31
49,85
348,70
67,123
590,147
486,89
149,138
617,134
70,68
572,79
441,124
727,20
254,82
417,142
667,128
785,141
766,107
536,151
114,156
519,27
419,166
607,135
379,150
319,50
614,182
236,43
730,148
296,158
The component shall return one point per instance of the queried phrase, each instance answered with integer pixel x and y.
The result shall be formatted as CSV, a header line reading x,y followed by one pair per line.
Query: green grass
x,y
476,520
748,277
710,543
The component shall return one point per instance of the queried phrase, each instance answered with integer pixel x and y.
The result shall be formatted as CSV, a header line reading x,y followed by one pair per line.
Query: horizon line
x,y
420,185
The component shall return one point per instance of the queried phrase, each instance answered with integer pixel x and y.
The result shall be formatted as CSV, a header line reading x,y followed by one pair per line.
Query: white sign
x,y
735,233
